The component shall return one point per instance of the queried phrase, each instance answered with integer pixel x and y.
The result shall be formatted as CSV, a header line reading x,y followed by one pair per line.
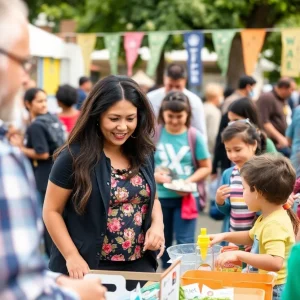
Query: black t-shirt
x,y
37,137
88,230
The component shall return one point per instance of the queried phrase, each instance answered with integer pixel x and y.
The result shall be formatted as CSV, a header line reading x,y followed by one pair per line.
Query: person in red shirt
x,y
66,97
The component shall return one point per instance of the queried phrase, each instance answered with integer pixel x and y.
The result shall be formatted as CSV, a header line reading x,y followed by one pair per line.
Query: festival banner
x,y
252,43
290,57
87,42
132,43
194,42
112,44
156,43
222,40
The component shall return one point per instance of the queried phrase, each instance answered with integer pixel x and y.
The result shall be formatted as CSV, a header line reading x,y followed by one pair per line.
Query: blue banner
x,y
194,42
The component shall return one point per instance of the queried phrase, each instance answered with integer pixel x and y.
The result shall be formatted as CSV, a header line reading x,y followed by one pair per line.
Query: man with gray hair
x,y
23,272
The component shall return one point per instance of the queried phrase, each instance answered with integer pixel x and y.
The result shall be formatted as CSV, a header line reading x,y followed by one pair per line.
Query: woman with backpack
x,y
181,150
43,136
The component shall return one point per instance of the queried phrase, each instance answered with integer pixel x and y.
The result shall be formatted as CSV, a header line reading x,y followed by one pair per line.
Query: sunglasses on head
x,y
177,97
245,121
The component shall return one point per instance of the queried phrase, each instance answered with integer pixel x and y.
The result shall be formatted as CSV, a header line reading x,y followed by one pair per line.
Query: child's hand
x,y
226,257
223,192
216,238
292,199
161,177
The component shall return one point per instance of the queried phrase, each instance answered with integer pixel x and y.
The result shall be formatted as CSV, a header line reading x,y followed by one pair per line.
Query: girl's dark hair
x,y
246,108
245,130
67,95
30,94
273,177
175,102
86,132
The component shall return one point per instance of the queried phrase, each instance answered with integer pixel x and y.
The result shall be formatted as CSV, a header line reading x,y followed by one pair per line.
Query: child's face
x,y
238,151
175,121
251,198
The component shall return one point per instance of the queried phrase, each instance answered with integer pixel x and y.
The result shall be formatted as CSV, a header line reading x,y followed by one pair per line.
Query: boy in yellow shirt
x,y
268,181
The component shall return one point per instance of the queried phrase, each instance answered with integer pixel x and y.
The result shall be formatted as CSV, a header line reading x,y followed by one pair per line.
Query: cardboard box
x,y
169,281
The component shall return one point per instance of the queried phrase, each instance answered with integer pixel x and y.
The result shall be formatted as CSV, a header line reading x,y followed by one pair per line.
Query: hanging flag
x,y
194,42
290,57
87,42
222,40
252,42
132,43
112,44
156,43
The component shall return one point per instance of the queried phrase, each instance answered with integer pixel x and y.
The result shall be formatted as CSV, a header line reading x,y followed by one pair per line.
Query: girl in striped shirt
x,y
242,142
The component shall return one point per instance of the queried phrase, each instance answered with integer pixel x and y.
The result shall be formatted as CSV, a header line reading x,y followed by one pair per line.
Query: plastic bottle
x,y
203,243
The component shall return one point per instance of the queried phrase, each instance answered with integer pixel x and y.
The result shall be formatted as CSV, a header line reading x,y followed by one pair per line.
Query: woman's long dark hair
x,y
246,108
87,133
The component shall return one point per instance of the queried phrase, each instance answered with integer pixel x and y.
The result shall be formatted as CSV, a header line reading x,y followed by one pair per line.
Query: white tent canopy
x,y
45,44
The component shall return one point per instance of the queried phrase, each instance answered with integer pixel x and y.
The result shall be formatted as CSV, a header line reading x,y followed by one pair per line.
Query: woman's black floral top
x,y
128,206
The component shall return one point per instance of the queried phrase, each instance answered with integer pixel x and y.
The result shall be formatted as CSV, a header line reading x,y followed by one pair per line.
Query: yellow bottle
x,y
203,243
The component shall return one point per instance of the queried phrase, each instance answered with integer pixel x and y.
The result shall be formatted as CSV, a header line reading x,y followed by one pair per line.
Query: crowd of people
x,y
96,173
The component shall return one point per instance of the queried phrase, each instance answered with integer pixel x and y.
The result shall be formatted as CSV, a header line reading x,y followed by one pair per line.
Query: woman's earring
x,y
98,130
133,137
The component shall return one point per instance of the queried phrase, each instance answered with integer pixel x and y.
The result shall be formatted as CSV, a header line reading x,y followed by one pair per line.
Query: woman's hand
x,y
216,238
77,266
16,140
223,192
226,257
162,177
155,239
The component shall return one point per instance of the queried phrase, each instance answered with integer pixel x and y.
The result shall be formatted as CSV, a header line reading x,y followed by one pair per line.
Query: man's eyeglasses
x,y
246,121
26,63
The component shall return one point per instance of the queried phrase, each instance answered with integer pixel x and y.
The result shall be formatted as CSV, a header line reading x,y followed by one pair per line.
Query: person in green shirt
x,y
245,108
186,161
292,288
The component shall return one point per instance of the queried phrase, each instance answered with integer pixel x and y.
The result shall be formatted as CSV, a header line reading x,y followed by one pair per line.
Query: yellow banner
x,y
87,42
290,57
252,41
51,75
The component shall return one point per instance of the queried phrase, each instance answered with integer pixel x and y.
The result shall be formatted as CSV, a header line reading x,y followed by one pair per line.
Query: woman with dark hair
x,y
101,207
245,108
182,154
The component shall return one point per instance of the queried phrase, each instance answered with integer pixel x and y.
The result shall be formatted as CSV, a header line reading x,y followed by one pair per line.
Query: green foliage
x,y
150,15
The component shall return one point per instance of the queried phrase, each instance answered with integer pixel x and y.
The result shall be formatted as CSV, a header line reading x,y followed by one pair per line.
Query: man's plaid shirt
x,y
23,273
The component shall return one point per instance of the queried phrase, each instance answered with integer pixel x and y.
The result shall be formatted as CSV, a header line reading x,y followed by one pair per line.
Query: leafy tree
x,y
149,15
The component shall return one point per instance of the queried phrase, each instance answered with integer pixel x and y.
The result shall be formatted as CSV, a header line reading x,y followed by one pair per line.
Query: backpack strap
x,y
192,139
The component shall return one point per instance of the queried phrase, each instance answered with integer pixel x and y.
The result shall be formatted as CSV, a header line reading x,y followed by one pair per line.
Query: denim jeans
x,y
277,291
184,230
